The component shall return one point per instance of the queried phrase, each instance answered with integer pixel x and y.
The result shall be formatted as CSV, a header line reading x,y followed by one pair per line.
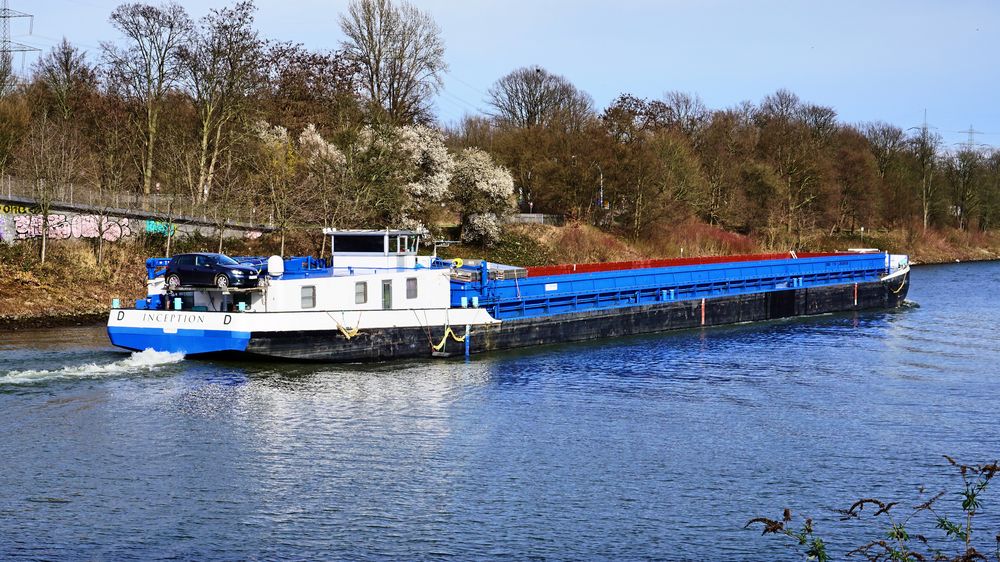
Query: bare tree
x,y
116,163
886,142
400,53
821,121
67,77
533,96
14,117
989,208
147,66
688,111
51,159
304,87
925,146
963,172
223,68
276,171
781,105
231,193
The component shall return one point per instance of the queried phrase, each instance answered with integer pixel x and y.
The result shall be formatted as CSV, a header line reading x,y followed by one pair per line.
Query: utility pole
x,y
971,144
8,47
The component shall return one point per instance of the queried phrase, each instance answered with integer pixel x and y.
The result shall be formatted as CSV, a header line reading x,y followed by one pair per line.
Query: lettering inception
x,y
171,317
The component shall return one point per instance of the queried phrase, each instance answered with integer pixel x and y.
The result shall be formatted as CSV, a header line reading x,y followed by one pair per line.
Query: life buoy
x,y
457,262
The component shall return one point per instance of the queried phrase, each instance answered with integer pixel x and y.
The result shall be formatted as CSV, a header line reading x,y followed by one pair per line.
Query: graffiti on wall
x,y
8,209
160,227
76,226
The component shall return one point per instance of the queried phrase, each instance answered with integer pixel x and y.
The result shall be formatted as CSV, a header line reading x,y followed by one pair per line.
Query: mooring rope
x,y
901,285
448,332
347,333
426,326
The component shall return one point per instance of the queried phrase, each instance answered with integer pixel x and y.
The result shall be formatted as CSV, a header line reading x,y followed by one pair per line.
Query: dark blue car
x,y
212,270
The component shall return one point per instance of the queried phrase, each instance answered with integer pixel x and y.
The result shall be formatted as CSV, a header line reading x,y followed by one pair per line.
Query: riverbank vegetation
x,y
201,114
941,527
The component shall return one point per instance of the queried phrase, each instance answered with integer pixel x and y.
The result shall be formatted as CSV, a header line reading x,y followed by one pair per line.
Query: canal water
x,y
658,447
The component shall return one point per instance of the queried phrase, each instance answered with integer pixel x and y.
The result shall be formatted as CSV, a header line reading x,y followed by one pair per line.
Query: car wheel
x,y
173,281
222,281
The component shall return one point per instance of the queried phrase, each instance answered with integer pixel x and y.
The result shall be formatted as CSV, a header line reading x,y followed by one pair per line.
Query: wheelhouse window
x,y
361,244
411,287
309,297
361,292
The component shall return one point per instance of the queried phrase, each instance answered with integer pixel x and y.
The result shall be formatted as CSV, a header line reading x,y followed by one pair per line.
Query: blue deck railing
x,y
297,267
555,294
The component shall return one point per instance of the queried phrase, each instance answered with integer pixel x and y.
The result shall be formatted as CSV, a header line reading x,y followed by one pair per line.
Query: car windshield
x,y
225,260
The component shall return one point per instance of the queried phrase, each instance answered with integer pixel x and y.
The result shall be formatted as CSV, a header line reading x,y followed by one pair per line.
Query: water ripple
x,y
653,447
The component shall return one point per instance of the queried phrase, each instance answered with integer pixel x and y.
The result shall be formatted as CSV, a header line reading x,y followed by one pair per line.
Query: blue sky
x,y
887,60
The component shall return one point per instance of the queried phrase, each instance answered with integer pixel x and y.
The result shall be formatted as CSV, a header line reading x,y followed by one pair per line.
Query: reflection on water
x,y
648,447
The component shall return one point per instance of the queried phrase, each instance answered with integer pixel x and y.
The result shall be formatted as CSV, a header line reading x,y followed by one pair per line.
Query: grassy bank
x,y
578,243
72,288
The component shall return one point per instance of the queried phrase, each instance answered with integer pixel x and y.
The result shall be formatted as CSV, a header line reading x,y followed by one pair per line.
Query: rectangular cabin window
x,y
361,292
411,288
309,297
372,244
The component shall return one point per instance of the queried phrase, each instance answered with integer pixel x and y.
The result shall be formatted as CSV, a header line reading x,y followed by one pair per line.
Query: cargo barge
x,y
375,299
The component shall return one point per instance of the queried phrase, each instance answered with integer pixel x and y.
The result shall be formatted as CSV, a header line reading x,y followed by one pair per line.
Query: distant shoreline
x,y
51,320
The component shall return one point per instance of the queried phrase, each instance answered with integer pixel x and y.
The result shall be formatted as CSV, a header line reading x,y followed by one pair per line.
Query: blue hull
x,y
187,341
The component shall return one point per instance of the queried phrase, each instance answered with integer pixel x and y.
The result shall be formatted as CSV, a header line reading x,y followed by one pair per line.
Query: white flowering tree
x,y
430,175
484,194
325,166
319,154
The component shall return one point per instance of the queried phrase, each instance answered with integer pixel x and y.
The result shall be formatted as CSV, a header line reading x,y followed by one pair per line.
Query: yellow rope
x,y
896,291
347,333
448,332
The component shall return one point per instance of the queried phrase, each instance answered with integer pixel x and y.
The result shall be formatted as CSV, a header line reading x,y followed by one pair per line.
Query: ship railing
x,y
348,271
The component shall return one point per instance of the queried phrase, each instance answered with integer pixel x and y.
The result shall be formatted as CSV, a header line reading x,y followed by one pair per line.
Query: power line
x,y
53,41
459,99
467,85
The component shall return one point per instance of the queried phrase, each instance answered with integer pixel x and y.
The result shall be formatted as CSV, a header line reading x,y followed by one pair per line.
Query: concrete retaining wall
x,y
20,220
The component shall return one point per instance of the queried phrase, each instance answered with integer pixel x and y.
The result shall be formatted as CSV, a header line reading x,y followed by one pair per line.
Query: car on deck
x,y
211,270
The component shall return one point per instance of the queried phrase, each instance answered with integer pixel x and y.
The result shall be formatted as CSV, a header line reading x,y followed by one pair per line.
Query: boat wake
x,y
139,361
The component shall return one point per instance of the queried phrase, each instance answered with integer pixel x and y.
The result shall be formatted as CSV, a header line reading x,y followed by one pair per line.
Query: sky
x,y
869,60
